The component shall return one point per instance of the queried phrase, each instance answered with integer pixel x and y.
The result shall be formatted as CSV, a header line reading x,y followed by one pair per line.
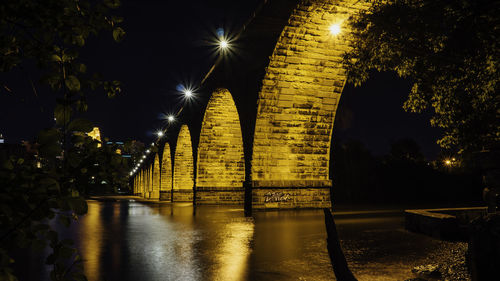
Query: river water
x,y
129,240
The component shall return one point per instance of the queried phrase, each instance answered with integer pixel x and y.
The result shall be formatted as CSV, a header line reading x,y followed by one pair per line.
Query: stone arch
x,y
136,184
147,194
220,170
141,191
166,174
155,177
296,107
183,182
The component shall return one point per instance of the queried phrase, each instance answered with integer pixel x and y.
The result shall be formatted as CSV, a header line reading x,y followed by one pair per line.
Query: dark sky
x,y
166,45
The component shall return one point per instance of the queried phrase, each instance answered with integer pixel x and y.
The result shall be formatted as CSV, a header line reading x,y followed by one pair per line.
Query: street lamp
x,y
334,29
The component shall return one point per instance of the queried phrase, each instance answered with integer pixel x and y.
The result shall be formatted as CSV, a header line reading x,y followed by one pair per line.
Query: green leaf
x,y
78,40
118,34
7,164
74,160
82,105
50,184
48,136
62,113
80,125
72,83
56,58
113,4
81,67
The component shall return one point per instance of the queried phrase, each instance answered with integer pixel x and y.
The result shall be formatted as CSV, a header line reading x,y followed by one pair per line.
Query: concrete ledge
x,y
446,224
290,198
291,183
183,195
220,197
166,196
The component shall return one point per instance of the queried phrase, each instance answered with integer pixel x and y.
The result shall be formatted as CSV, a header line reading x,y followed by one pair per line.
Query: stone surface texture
x,y
220,161
166,174
155,177
299,96
183,182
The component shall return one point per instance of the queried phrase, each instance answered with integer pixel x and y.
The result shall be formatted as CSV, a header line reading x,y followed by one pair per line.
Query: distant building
x,y
2,140
95,134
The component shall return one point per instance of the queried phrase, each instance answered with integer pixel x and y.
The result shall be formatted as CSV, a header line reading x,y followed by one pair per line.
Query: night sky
x,y
167,44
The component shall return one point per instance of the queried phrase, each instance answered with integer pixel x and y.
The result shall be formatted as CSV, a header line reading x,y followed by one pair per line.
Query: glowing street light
x,y
223,44
159,134
148,151
188,93
171,118
143,156
140,161
447,162
334,29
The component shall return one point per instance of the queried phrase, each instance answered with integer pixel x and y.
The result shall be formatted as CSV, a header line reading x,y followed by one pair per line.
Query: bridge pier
x,y
228,196
297,194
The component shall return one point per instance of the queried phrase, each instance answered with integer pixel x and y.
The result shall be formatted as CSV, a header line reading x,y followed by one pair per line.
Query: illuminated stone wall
x,y
183,182
149,181
166,174
220,169
155,192
141,183
296,106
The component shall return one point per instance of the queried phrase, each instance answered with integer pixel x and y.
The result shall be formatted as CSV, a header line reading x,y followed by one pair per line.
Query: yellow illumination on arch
x,y
155,194
221,163
166,172
298,100
183,182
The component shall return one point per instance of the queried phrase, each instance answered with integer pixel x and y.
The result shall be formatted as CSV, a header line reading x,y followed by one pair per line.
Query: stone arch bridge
x,y
266,131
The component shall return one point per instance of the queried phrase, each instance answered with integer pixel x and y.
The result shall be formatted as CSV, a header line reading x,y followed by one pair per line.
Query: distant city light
x,y
447,162
335,29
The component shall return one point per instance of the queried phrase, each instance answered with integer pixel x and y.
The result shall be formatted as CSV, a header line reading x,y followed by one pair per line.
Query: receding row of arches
x,y
288,151
220,167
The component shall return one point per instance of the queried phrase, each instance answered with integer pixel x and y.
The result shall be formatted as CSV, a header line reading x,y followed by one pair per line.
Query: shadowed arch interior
x,y
183,182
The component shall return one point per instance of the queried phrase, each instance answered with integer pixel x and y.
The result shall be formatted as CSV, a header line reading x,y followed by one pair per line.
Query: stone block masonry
x,y
166,174
296,107
183,182
220,161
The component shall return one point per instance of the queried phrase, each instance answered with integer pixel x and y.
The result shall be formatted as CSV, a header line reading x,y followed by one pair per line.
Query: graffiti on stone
x,y
276,197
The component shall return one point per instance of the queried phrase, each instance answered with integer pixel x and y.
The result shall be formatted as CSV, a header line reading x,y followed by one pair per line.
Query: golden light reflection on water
x,y
91,244
235,251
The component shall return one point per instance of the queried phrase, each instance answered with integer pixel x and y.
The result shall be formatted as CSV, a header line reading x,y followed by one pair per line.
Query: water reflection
x,y
135,241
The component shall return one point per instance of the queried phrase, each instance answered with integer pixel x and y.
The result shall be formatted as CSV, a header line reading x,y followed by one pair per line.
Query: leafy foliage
x,y
50,184
450,49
